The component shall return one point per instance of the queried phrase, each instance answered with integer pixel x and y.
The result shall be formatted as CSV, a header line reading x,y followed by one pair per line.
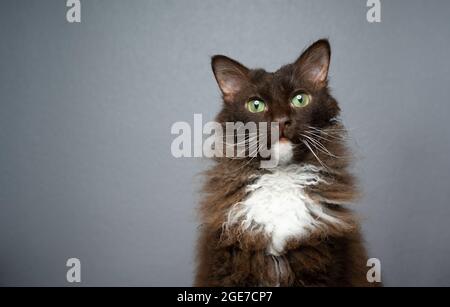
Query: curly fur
x,y
278,206
288,226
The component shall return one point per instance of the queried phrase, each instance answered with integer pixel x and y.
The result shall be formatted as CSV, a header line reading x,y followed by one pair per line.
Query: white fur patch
x,y
282,152
277,205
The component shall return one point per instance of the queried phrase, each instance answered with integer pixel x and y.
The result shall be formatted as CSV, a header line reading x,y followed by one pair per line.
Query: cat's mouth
x,y
283,138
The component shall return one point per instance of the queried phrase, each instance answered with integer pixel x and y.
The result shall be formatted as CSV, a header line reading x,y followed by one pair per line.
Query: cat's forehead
x,y
272,83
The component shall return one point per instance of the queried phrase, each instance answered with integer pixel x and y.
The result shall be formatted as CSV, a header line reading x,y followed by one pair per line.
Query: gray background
x,y
86,110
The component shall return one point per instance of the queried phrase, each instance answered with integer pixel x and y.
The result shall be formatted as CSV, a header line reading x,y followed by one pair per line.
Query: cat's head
x,y
296,96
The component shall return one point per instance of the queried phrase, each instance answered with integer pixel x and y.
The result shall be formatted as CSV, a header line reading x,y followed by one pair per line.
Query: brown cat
x,y
285,226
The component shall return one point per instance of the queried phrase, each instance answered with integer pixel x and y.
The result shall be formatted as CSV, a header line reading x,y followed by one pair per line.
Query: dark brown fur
x,y
331,256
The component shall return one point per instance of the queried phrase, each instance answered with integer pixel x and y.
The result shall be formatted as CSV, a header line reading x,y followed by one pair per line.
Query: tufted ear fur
x,y
230,75
314,63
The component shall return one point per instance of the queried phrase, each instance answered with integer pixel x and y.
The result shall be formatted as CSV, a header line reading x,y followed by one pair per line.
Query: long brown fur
x,y
333,255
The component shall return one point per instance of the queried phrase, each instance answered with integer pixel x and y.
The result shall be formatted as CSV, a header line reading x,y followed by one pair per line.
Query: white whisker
x,y
318,145
315,155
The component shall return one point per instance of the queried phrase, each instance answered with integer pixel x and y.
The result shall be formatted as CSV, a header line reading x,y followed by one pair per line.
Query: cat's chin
x,y
283,151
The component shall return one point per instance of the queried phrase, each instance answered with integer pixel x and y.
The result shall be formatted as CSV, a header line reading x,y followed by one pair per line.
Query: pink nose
x,y
283,123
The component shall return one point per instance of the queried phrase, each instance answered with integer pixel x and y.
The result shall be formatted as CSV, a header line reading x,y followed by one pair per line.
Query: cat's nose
x,y
283,123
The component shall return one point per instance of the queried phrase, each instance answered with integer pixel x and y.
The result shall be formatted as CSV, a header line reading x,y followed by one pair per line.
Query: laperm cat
x,y
289,225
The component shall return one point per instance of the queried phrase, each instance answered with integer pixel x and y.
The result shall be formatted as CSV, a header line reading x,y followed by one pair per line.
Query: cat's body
x,y
288,225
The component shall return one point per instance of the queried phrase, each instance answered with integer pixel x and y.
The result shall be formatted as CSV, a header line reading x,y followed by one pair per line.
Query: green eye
x,y
256,106
300,100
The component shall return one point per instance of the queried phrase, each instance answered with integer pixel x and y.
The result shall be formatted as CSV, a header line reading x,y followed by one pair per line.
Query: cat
x,y
288,225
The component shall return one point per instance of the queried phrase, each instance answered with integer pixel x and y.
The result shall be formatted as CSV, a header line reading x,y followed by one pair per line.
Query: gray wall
x,y
86,111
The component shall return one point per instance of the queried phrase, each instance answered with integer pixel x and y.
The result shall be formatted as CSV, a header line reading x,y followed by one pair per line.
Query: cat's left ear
x,y
231,76
314,63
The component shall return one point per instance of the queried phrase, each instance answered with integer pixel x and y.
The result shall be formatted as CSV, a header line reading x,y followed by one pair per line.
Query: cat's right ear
x,y
231,76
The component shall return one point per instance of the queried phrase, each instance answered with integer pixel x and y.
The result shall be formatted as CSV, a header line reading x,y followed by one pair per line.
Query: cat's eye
x,y
256,105
300,100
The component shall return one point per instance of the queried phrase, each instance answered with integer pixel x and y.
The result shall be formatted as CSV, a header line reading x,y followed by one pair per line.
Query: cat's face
x,y
295,96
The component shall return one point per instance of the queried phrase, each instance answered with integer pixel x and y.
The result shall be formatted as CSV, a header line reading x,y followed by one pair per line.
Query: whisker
x,y
315,155
335,136
241,142
331,132
315,134
321,147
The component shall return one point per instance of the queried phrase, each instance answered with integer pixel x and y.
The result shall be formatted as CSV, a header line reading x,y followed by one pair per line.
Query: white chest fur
x,y
277,205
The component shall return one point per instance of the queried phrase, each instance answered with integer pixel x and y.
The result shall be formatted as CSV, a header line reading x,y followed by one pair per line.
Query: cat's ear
x,y
314,63
231,75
